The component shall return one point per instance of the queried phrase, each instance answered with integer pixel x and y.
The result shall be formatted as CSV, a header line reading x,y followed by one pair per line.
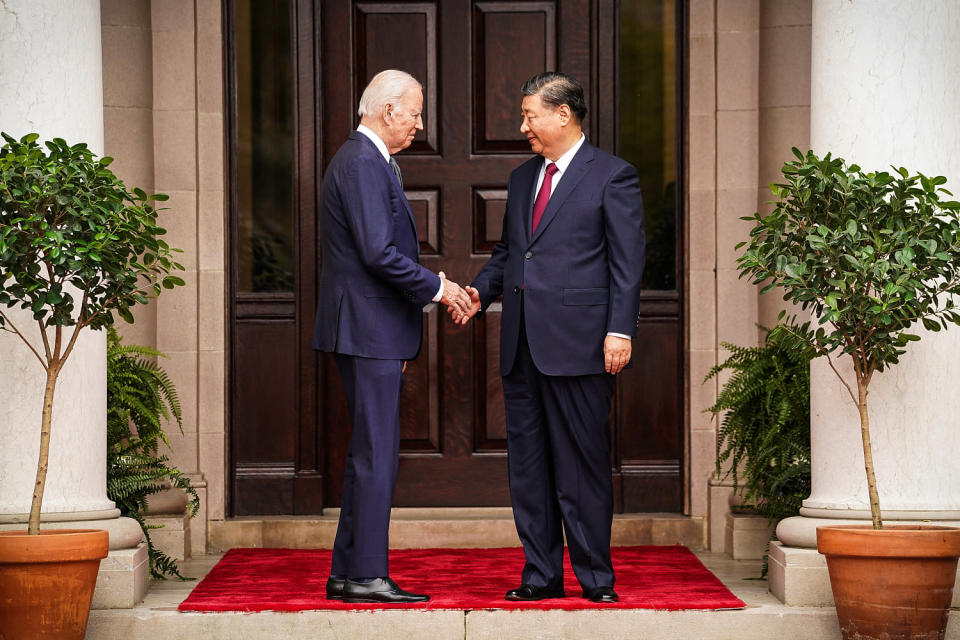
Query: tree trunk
x,y
868,454
33,527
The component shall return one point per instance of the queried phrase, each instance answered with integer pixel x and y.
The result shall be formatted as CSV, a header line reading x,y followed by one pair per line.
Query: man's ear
x,y
565,115
387,112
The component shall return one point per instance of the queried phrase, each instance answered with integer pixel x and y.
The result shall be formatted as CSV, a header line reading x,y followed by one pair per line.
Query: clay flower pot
x,y
47,581
895,583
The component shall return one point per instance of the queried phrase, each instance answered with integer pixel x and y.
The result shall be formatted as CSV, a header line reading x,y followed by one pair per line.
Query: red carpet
x,y
669,578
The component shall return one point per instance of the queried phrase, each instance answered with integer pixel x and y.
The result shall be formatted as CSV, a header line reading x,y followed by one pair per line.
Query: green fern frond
x,y
763,436
141,398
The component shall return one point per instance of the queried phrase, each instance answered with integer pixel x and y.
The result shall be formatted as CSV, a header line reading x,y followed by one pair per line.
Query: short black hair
x,y
556,88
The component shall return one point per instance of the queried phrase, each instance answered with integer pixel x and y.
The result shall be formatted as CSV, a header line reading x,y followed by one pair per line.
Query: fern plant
x,y
140,397
764,436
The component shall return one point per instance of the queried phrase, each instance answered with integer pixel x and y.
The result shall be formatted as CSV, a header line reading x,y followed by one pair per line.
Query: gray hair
x,y
387,87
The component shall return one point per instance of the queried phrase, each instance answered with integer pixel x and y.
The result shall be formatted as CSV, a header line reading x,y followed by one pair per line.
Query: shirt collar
x,y
381,146
564,161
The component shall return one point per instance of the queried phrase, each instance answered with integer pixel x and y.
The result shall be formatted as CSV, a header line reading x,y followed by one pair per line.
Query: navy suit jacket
x,y
580,271
372,287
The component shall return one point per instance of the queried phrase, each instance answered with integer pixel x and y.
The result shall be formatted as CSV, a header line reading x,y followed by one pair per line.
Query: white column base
x,y
797,573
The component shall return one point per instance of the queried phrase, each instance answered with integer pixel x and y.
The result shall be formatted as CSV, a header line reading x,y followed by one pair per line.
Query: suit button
x,y
528,255
516,290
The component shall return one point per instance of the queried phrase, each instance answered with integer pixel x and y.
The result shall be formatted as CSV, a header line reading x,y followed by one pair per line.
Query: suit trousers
x,y
372,387
558,444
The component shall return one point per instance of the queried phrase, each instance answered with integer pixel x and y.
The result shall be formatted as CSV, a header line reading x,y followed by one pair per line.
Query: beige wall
x,y
749,102
163,111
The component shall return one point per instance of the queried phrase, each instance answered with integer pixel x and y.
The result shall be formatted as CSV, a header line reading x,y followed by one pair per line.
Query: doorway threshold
x,y
451,527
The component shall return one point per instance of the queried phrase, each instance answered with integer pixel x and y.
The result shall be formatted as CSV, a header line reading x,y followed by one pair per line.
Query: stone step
x,y
455,527
765,617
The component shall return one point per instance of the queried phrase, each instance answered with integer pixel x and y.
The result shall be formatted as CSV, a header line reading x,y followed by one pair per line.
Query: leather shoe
x,y
603,595
526,592
335,589
379,590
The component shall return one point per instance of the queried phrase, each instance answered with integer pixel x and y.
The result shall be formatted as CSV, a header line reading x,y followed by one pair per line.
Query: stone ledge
x,y
123,579
457,528
173,536
746,536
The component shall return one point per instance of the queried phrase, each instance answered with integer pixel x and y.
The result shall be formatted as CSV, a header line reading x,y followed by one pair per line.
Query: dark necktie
x,y
396,170
543,196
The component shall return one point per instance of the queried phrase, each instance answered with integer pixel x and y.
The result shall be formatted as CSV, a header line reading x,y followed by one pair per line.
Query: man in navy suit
x,y
569,266
372,292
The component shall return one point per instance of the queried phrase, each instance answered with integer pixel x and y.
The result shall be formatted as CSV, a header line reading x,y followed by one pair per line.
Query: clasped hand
x,y
461,304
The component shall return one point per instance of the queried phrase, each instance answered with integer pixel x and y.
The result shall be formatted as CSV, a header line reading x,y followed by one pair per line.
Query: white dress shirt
x,y
382,147
563,162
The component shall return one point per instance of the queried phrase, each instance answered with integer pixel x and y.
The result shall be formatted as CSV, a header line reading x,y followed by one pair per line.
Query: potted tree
x,y
870,255
75,247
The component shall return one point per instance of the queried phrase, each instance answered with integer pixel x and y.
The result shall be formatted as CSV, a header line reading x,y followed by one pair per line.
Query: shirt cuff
x,y
439,295
614,334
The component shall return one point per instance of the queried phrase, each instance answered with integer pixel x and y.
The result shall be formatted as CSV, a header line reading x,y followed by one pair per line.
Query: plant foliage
x,y
66,219
764,435
868,255
140,398
75,246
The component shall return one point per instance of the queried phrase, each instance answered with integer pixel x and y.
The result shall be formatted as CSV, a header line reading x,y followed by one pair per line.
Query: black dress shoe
x,y
379,590
604,595
335,588
526,592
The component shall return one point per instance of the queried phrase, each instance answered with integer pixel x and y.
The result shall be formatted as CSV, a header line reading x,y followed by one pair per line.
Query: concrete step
x,y
765,617
412,528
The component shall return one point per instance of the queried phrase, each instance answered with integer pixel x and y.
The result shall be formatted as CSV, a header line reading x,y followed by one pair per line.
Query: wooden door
x,y
472,57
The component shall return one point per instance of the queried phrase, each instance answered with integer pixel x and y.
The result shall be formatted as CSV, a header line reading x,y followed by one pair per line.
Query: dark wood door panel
x,y
290,427
647,413
264,433
398,35
512,41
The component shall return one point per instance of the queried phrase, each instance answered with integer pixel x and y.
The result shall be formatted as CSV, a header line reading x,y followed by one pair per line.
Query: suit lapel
x,y
356,135
568,182
527,182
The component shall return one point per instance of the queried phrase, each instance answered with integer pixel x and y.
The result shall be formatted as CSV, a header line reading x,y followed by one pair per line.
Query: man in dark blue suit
x,y
372,292
569,266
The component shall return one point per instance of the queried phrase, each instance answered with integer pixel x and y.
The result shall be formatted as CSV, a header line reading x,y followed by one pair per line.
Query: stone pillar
x,y
884,90
50,83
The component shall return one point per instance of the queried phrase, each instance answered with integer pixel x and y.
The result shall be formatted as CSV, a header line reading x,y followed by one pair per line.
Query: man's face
x,y
542,126
404,121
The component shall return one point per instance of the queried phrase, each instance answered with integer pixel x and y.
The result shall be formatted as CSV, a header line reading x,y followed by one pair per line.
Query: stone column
x,y
884,91
51,83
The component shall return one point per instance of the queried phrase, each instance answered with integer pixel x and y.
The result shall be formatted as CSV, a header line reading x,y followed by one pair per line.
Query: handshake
x,y
462,304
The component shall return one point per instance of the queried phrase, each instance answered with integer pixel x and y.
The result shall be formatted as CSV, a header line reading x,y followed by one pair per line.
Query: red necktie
x,y
543,196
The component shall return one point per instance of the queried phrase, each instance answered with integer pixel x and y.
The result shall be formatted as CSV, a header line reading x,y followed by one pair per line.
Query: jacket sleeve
x,y
626,246
489,282
371,221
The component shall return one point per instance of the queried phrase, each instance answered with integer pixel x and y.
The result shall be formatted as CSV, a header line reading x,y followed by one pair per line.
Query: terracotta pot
x,y
895,583
47,581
